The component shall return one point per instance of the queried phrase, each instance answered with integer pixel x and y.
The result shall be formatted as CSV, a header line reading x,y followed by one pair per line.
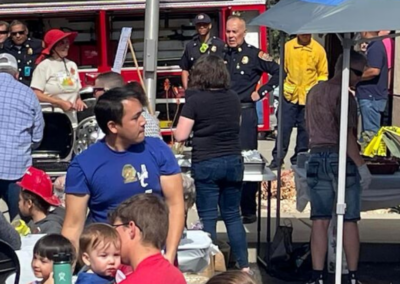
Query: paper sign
x,y
122,49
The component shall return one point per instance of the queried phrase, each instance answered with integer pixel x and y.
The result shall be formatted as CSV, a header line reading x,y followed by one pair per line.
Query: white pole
x,y
341,205
150,49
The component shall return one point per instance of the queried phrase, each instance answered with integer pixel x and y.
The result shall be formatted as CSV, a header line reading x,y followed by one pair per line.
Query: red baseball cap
x,y
39,183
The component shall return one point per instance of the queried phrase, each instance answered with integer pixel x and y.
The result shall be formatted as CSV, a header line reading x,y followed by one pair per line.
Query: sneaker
x,y
248,271
274,166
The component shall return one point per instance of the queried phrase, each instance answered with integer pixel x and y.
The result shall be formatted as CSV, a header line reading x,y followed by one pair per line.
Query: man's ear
x,y
210,26
112,126
86,259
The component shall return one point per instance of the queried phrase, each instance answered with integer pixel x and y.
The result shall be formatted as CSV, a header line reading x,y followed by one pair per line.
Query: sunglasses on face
x,y
17,33
357,72
3,32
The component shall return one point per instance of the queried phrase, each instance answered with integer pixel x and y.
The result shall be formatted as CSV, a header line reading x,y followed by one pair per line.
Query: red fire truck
x,y
99,24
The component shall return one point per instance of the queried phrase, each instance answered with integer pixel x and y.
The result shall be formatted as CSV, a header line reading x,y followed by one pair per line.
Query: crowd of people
x,y
124,202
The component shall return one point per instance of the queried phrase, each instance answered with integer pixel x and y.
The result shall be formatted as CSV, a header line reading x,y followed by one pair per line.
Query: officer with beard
x,y
202,43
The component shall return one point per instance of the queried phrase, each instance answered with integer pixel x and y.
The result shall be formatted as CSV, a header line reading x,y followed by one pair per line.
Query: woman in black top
x,y
212,110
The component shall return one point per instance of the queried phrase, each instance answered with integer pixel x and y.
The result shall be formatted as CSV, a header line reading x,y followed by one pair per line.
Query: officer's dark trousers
x,y
248,141
293,115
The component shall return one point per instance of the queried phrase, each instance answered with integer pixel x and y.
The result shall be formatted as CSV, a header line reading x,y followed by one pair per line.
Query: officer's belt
x,y
248,105
328,149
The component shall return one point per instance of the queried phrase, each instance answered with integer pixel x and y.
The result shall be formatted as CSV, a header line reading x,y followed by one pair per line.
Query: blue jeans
x,y
322,179
219,183
371,111
9,192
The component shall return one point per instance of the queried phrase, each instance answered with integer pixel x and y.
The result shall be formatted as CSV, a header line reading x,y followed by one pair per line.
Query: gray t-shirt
x,y
52,224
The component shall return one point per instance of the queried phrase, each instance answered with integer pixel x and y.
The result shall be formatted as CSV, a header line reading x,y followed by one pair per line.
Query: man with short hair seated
x,y
142,224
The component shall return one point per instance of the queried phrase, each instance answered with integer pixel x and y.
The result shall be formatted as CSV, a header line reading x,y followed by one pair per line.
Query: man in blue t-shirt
x,y
372,91
121,165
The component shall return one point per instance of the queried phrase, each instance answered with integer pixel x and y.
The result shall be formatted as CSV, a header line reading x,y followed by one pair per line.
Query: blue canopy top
x,y
331,16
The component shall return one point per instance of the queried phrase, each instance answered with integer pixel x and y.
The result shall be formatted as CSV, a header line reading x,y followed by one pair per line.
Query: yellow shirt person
x,y
305,65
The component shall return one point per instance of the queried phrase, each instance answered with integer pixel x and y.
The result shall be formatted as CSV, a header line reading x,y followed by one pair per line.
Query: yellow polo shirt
x,y
305,66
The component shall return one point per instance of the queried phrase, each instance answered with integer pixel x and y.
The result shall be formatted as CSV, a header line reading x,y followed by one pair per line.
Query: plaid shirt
x,y
21,124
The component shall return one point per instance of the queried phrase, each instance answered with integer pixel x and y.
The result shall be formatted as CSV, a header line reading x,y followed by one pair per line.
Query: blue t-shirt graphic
x,y
110,177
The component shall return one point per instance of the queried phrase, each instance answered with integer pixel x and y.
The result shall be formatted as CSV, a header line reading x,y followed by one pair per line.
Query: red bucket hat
x,y
39,183
55,35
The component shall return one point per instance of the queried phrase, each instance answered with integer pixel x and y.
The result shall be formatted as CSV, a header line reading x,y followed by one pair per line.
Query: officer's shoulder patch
x,y
264,56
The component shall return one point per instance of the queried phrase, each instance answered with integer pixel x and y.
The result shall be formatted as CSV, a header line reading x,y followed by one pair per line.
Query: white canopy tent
x,y
331,16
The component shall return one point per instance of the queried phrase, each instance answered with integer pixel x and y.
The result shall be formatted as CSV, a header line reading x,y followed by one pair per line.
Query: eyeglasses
x,y
126,224
17,33
357,72
3,32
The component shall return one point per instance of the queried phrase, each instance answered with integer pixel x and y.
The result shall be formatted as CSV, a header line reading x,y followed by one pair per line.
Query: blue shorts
x,y
322,176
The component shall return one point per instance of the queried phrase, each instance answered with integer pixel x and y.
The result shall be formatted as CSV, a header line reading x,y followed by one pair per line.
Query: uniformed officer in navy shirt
x,y
24,49
202,43
246,64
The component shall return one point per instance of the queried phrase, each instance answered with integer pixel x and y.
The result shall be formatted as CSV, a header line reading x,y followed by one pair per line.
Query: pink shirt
x,y
389,46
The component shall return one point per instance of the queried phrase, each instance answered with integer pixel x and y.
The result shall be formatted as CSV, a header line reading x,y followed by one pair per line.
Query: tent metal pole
x,y
279,138
151,49
344,110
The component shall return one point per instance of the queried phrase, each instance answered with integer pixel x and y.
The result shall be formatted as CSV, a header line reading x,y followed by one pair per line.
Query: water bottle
x,y
62,270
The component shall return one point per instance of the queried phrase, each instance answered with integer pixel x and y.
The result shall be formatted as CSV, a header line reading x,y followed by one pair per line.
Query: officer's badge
x,y
264,56
129,174
213,48
245,60
30,51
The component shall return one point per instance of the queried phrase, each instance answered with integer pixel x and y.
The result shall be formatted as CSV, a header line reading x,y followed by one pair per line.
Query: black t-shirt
x,y
216,116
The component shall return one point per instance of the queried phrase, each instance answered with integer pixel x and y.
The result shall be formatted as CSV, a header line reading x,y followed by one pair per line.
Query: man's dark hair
x,y
209,72
17,23
37,201
111,79
150,213
355,59
136,87
109,106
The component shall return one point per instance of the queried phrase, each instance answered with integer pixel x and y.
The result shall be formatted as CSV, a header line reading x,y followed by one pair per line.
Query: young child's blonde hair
x,y
96,234
232,277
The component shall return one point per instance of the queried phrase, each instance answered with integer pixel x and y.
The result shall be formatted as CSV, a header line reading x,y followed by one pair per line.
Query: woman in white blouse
x,y
56,79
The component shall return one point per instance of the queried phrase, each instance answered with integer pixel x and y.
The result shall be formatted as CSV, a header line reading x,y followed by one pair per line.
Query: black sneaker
x,y
274,166
249,219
